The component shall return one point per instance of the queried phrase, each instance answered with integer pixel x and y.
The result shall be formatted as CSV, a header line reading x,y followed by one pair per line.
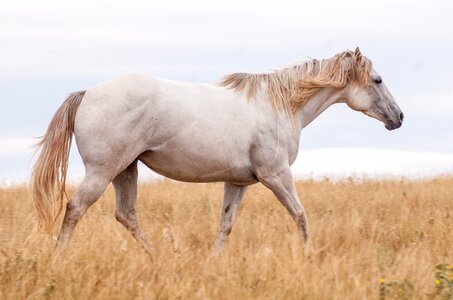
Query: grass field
x,y
373,240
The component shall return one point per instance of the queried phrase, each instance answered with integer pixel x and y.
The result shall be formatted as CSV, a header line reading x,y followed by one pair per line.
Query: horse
x,y
241,130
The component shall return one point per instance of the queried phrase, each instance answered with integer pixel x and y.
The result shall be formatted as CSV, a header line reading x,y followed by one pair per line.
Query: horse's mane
x,y
292,87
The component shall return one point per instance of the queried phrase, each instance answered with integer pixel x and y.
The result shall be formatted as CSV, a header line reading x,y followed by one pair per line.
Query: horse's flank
x,y
292,87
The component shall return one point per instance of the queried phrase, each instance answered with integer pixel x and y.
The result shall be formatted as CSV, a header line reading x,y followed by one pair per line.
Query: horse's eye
x,y
378,80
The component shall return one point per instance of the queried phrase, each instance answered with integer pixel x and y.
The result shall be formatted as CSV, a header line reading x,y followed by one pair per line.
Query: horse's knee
x,y
120,217
127,219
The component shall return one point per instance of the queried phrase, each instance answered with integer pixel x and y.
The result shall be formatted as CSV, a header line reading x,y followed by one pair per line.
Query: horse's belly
x,y
188,167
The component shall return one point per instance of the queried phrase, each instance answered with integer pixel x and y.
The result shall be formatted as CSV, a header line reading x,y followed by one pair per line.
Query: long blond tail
x,y
49,172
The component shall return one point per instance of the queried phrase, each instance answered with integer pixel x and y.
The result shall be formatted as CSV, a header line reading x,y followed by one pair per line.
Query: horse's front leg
x,y
281,183
232,197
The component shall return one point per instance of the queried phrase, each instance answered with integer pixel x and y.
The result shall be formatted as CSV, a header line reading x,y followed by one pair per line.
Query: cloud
x,y
57,36
16,162
342,162
438,103
16,146
177,18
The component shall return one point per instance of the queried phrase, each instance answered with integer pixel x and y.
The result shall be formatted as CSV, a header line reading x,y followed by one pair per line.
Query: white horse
x,y
242,130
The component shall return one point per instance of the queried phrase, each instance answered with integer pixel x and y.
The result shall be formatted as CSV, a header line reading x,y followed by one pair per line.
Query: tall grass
x,y
373,239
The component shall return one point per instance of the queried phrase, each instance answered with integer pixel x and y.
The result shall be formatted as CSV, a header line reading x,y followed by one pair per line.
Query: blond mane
x,y
292,87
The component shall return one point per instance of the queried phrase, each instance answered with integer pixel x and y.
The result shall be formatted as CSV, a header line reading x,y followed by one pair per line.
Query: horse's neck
x,y
317,104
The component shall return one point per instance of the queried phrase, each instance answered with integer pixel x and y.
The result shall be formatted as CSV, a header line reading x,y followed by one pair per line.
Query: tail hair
x,y
48,177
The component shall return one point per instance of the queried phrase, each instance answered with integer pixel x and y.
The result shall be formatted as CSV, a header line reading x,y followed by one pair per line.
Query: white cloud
x,y
47,36
315,163
16,146
342,162
434,103
379,17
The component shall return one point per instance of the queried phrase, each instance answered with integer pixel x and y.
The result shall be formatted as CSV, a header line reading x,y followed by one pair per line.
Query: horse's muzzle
x,y
391,125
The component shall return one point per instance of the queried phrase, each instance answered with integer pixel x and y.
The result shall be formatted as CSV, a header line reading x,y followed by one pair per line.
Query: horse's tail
x,y
49,172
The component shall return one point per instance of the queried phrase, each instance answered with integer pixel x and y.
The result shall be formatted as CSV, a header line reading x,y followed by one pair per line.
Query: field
x,y
373,240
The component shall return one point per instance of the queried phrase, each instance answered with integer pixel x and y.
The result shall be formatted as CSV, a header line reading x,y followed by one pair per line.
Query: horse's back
x,y
192,132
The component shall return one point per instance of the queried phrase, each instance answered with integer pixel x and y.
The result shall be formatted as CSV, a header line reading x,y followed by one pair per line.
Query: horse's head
x,y
373,98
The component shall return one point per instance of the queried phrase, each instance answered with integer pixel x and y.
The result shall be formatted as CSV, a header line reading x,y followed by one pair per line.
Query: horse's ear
x,y
358,54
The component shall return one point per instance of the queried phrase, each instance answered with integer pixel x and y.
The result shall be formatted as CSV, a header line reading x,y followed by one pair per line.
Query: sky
x,y
49,49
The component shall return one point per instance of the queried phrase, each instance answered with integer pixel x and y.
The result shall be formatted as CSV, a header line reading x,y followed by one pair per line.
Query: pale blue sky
x,y
51,48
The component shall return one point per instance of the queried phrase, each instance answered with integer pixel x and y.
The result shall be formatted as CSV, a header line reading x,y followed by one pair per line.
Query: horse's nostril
x,y
401,117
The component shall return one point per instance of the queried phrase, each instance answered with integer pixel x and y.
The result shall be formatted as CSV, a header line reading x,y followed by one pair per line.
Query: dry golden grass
x,y
363,231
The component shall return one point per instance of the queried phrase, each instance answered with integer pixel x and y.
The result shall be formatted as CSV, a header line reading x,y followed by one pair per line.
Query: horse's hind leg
x,y
88,192
232,197
126,196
